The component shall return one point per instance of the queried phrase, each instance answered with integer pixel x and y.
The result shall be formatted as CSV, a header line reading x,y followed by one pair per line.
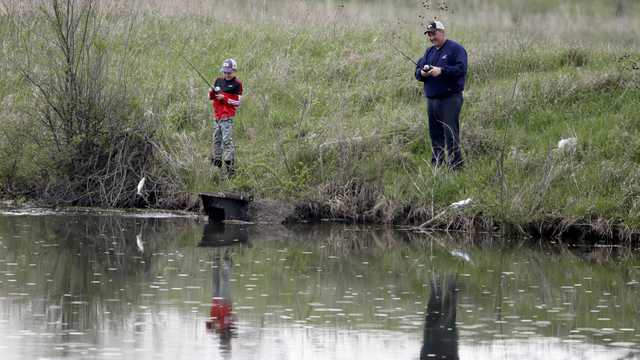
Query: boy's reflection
x,y
440,333
221,317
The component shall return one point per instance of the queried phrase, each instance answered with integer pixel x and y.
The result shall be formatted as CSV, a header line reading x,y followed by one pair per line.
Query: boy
x,y
225,96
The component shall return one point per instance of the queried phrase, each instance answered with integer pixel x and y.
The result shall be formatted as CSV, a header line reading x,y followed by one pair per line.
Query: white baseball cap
x,y
229,65
433,26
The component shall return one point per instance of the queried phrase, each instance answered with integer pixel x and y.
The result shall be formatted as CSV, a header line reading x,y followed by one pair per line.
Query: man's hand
x,y
220,97
425,70
435,71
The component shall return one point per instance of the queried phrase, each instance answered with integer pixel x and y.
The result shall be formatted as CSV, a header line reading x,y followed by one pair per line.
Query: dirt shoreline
x,y
592,231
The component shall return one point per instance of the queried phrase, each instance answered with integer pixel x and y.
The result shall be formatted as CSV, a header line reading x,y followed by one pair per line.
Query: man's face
x,y
229,75
436,37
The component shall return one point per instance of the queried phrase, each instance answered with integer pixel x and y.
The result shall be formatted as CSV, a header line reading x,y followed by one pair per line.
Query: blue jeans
x,y
444,129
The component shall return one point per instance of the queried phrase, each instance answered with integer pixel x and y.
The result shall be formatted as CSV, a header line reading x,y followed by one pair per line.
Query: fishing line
x,y
193,67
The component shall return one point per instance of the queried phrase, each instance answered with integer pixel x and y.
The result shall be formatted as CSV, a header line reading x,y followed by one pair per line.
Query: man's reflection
x,y
440,333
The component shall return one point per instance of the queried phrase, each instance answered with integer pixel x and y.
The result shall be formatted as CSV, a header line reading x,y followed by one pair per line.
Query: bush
x,y
97,140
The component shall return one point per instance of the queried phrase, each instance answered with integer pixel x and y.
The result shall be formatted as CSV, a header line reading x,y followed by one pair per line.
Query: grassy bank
x,y
333,114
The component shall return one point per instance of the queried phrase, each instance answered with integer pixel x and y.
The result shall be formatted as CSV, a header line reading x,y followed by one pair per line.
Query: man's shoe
x,y
457,166
217,163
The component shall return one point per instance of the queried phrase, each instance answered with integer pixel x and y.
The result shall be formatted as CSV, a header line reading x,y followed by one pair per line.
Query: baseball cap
x,y
433,26
229,65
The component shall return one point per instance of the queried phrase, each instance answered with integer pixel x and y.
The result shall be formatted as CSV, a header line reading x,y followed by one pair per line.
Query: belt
x,y
444,96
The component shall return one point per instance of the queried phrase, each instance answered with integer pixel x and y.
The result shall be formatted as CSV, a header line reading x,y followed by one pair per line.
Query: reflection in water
x,y
220,234
440,333
88,287
221,317
139,243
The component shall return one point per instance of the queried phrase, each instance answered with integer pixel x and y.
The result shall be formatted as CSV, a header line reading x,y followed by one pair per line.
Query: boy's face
x,y
229,75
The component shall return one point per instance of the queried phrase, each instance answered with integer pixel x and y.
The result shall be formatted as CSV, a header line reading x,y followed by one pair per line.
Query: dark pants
x,y
444,129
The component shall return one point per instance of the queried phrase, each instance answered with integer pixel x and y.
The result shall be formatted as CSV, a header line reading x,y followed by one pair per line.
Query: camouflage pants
x,y
223,148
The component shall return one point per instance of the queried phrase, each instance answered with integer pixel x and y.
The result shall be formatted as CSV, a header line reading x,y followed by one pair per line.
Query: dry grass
x,y
333,113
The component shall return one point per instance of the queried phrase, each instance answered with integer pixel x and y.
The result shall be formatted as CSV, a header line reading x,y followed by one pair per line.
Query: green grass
x,y
333,113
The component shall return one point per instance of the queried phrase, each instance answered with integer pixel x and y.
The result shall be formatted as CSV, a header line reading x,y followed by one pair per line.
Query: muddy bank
x,y
586,231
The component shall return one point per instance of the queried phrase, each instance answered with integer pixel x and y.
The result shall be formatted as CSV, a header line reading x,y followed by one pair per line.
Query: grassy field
x,y
332,112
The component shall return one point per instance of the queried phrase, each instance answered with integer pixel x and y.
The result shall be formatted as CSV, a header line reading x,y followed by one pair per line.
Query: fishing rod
x,y
193,67
425,68
428,67
196,70
402,53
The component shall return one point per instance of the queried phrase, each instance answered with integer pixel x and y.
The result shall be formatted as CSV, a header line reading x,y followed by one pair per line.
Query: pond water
x,y
96,286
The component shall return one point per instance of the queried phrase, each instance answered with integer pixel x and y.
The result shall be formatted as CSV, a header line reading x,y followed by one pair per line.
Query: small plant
x,y
575,57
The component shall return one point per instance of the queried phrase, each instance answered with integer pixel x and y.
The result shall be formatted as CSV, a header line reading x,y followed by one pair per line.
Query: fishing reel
x,y
217,90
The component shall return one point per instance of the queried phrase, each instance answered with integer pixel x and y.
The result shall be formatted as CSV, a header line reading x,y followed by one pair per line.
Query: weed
x,y
331,113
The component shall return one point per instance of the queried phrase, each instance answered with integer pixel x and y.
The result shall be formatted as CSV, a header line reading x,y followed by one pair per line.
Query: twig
x,y
430,221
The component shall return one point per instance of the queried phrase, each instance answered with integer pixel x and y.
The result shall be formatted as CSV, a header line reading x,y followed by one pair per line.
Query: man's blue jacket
x,y
452,58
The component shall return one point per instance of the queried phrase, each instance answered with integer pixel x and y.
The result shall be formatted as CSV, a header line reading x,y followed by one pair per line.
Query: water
x,y
90,286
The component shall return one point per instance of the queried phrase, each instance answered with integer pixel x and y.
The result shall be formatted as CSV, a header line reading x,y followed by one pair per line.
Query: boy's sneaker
x,y
229,168
216,162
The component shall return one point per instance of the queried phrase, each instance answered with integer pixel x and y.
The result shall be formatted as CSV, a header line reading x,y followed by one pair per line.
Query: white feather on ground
x,y
568,145
141,185
458,205
461,204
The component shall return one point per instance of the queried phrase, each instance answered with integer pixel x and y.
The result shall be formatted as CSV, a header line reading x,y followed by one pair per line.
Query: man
x,y
443,69
225,96
440,339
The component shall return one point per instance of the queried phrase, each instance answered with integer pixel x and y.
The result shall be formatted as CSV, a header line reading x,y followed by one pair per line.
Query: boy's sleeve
x,y
234,99
231,101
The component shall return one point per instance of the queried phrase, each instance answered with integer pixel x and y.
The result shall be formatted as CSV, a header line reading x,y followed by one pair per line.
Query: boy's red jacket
x,y
220,316
231,90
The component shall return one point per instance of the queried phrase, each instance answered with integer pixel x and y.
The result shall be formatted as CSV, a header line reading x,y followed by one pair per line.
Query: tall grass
x,y
332,112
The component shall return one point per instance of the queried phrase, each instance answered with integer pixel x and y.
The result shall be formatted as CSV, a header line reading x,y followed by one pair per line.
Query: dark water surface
x,y
88,286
